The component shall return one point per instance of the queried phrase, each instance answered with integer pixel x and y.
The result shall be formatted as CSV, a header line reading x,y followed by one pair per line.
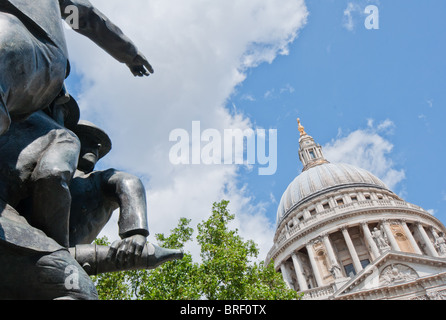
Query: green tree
x,y
173,280
228,269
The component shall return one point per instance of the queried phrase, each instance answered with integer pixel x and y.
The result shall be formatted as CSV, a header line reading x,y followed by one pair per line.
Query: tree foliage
x,y
227,270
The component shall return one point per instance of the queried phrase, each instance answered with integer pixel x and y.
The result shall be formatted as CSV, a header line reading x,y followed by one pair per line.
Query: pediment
x,y
391,270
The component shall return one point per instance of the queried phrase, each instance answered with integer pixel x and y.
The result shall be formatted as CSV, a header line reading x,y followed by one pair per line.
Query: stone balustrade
x,y
319,293
343,209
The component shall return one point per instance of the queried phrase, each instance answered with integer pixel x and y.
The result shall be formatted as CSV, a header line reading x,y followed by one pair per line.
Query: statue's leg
x,y
28,275
64,278
51,197
5,26
5,120
32,70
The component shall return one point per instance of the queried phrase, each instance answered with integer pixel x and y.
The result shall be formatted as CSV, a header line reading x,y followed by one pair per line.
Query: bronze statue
x,y
34,266
52,202
38,160
96,195
50,212
39,157
34,53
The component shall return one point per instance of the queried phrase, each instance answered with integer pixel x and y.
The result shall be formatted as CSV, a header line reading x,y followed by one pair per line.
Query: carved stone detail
x,y
396,274
381,240
437,295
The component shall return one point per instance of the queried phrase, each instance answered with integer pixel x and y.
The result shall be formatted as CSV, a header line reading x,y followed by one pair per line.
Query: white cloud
x,y
349,23
432,211
287,89
268,94
386,126
367,149
200,51
271,93
248,97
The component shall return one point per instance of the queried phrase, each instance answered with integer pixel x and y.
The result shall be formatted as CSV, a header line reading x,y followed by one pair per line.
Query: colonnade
x,y
378,241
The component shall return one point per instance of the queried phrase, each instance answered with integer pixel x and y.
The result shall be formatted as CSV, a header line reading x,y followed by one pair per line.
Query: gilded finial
x,y
301,128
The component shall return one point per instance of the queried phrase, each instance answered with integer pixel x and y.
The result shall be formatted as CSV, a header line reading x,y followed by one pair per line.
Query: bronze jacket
x,y
45,16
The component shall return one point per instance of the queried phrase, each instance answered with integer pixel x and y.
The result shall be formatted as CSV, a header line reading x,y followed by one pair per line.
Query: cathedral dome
x,y
324,178
320,176
342,234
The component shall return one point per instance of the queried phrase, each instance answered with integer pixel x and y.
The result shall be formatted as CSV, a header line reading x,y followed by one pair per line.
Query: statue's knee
x,y
53,176
69,142
64,278
59,161
57,175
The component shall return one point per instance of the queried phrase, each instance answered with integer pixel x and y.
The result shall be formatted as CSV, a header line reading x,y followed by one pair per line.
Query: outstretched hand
x,y
124,251
140,66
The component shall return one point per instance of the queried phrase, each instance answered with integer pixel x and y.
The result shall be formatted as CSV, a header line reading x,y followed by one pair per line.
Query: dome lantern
x,y
310,153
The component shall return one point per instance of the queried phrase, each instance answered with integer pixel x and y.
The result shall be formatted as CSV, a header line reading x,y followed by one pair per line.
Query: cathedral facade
x,y
342,234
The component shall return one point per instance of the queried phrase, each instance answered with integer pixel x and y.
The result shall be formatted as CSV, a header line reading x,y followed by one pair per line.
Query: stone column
x,y
410,237
299,272
390,237
314,265
370,241
332,202
334,266
429,246
352,250
286,276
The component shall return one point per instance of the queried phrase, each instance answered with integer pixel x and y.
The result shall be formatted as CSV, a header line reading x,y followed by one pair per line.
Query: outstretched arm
x,y
97,27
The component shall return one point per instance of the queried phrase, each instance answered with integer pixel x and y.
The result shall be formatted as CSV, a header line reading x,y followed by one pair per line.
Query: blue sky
x,y
337,79
372,97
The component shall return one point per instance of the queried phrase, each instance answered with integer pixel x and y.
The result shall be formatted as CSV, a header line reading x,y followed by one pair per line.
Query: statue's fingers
x,y
120,256
146,73
140,71
148,66
135,72
138,249
143,71
113,249
124,252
